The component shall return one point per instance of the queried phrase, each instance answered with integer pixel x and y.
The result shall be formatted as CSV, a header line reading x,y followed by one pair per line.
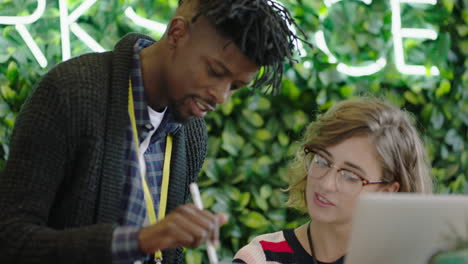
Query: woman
x,y
357,146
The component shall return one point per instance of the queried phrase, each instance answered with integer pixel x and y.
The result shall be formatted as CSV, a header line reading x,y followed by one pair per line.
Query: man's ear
x,y
178,31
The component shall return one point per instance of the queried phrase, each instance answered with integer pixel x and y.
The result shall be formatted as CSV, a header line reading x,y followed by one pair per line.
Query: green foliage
x,y
253,136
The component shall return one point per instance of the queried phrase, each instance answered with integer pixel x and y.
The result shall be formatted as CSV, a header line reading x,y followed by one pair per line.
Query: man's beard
x,y
177,105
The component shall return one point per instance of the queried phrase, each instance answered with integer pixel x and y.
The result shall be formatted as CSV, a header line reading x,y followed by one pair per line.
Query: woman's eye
x,y
321,161
350,176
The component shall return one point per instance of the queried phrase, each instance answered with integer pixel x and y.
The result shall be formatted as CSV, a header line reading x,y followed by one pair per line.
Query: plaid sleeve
x,y
125,247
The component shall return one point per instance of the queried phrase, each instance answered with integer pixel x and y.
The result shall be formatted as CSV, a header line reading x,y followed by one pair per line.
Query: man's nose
x,y
221,92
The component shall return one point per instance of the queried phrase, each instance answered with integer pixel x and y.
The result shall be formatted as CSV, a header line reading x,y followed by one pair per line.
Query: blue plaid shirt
x,y
125,248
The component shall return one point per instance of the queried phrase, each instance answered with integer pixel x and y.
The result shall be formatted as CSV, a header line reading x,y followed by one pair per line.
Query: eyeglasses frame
x,y
308,150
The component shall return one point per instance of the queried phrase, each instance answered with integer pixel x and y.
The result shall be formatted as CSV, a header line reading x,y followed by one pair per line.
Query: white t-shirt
x,y
155,119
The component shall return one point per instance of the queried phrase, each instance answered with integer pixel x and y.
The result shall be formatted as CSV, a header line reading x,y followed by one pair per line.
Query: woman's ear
x,y
394,187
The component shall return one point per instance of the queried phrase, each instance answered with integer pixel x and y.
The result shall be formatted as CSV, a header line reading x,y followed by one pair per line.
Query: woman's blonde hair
x,y
400,149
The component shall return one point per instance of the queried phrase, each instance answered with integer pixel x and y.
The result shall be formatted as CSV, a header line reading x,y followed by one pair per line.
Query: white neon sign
x,y
342,67
143,22
20,22
329,3
399,33
68,23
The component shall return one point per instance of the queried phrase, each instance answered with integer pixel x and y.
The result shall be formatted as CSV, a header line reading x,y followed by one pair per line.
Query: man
x,y
71,191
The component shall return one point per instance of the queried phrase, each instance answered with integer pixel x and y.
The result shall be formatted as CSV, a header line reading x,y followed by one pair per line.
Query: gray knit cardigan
x,y
61,189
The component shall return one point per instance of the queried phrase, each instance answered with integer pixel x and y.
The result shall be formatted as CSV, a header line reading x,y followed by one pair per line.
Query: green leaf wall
x,y
253,136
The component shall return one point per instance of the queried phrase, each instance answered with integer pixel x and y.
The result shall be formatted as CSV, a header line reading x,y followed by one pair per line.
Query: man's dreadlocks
x,y
260,29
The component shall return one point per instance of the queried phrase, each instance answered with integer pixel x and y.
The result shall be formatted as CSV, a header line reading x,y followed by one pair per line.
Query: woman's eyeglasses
x,y
317,166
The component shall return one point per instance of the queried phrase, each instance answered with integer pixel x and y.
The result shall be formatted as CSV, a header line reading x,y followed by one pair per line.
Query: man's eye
x,y
214,73
235,87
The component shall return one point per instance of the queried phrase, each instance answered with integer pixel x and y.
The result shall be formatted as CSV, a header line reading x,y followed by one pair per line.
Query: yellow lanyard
x,y
165,181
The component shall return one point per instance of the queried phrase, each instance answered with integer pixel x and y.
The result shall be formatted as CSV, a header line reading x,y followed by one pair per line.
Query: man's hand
x,y
186,226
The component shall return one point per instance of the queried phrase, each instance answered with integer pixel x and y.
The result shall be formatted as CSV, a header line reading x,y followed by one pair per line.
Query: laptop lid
x,y
405,228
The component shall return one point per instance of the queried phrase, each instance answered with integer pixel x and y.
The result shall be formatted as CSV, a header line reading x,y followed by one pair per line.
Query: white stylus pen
x,y
210,249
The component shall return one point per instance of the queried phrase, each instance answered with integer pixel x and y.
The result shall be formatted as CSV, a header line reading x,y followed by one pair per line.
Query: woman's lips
x,y
321,201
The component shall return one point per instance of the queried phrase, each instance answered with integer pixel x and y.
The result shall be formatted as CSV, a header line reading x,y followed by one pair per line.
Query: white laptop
x,y
405,228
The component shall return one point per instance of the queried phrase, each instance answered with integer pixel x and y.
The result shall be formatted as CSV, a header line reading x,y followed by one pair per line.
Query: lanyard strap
x,y
165,181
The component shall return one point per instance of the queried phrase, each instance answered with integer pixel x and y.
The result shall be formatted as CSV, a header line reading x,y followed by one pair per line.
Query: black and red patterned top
x,y
281,247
